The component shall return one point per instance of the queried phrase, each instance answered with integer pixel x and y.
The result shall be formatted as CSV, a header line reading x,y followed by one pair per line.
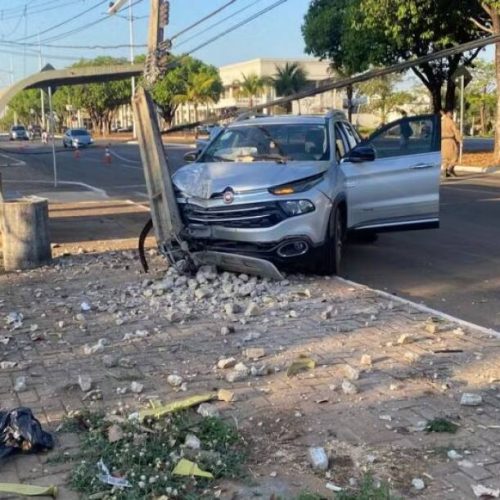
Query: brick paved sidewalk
x,y
416,374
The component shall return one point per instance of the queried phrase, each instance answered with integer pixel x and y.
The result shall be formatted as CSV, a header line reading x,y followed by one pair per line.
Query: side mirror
x,y
191,156
360,154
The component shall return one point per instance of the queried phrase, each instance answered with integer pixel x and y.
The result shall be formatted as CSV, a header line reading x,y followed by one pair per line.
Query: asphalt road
x,y
455,269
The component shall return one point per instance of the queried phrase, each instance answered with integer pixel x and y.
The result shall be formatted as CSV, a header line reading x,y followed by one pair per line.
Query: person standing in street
x,y
450,142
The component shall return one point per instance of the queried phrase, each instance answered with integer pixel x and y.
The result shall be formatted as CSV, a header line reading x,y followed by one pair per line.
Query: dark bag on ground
x,y
21,431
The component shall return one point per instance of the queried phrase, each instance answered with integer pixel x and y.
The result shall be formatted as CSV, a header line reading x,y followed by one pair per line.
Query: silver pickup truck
x,y
291,188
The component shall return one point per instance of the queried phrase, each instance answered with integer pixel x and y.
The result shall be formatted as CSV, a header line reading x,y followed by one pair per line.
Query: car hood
x,y
203,180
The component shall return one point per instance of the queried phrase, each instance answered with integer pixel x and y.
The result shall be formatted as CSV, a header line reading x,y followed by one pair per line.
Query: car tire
x,y
329,255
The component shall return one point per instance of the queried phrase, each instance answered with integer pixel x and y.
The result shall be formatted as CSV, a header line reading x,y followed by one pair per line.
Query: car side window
x,y
406,136
341,142
351,134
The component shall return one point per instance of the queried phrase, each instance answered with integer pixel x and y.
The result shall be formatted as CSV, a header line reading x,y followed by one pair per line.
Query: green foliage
x,y
368,490
383,97
190,80
252,86
147,454
289,79
27,106
441,425
355,34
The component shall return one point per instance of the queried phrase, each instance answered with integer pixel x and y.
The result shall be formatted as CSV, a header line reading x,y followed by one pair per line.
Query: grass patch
x,y
146,455
441,425
368,490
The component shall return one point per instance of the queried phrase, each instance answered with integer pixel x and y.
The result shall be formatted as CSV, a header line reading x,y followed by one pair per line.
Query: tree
x,y
480,94
252,86
491,26
381,32
383,98
27,106
100,100
289,80
188,81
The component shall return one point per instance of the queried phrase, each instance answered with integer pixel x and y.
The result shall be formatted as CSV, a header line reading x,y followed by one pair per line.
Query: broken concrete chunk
x,y
225,363
453,455
85,307
174,316
318,458
115,433
471,399
348,387
192,442
98,347
253,353
208,410
252,336
418,484
225,395
366,360
7,365
85,382
351,373
175,380
405,339
136,387
327,313
202,293
239,373
484,492
259,370
232,309
252,309
20,384
226,330
109,361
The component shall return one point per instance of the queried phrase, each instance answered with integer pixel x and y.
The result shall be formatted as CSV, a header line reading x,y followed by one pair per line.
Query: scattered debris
x,y
85,307
351,373
20,384
7,365
327,313
107,478
136,387
333,487
115,433
98,347
453,455
471,399
254,353
349,388
28,490
226,330
441,425
302,363
366,360
405,338
483,491
192,442
252,309
158,411
225,395
175,380
208,410
252,336
225,363
318,458
20,430
14,320
187,468
418,484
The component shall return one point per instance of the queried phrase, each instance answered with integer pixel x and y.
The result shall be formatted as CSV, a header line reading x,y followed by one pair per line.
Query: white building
x,y
232,75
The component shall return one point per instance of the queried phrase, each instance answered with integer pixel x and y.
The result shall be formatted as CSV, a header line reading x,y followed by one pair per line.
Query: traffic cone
x,y
76,153
107,156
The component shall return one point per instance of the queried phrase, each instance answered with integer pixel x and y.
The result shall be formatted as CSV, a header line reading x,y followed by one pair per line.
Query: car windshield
x,y
79,132
275,143
18,128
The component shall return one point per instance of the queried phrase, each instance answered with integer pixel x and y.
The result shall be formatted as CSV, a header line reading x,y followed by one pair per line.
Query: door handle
x,y
419,166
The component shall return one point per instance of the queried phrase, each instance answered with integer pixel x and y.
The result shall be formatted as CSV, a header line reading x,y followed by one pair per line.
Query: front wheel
x,y
329,255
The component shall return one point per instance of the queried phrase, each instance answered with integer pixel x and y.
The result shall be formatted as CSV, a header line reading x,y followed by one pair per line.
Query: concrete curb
x,y
481,170
423,308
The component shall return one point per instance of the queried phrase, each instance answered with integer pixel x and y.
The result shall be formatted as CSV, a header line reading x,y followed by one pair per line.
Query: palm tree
x,y
252,86
201,88
288,80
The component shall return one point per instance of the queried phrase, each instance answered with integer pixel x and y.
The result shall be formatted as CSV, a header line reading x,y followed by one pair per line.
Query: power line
x,y
90,47
218,23
203,19
236,26
78,29
65,21
46,8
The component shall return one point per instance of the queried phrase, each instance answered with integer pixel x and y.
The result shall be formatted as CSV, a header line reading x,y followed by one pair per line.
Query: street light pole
x,y
52,132
131,33
42,97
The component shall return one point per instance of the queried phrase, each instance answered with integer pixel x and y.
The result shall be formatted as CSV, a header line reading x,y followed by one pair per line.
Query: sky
x,y
274,34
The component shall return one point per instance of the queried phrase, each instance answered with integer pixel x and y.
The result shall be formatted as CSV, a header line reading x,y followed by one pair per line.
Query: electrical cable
x,y
203,19
140,246
236,26
218,23
101,2
87,47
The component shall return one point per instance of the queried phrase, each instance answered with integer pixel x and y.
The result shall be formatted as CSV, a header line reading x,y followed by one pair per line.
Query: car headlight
x,y
297,186
297,207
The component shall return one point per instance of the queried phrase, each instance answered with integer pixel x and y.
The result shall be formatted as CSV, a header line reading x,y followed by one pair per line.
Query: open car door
x,y
393,177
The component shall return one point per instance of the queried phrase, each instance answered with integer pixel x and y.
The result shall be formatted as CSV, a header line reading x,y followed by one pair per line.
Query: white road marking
x,y
424,308
14,162
122,158
97,190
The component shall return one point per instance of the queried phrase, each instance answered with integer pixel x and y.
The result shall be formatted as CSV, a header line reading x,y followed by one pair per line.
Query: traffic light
x,y
164,13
